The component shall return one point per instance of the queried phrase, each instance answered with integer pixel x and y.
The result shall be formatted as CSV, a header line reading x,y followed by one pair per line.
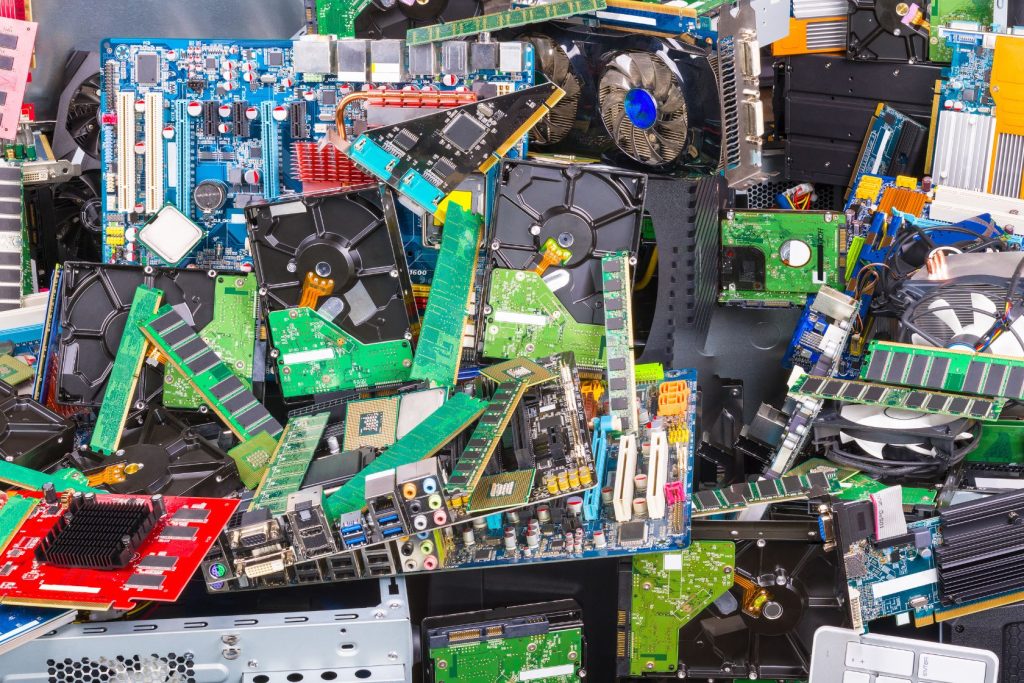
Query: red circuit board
x,y
164,561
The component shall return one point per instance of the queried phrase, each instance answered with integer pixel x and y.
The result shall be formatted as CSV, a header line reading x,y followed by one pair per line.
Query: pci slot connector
x,y
126,177
154,137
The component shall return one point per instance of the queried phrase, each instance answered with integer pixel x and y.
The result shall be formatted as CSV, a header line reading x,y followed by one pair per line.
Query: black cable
x,y
892,468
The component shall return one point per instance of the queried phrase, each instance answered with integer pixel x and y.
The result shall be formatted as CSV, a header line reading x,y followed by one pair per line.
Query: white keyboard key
x,y
950,669
856,677
884,660
890,679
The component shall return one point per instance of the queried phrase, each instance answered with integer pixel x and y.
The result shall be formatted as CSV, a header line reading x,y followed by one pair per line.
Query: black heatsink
x,y
98,533
982,549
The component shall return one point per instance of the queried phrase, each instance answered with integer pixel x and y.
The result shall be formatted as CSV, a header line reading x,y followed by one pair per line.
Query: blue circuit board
x,y
884,581
213,126
891,142
966,87
638,535
18,624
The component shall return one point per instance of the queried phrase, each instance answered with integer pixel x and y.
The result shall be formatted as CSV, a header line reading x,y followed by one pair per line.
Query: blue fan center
x,y
641,108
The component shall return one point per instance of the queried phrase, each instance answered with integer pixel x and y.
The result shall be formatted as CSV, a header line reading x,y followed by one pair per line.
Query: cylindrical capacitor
x,y
563,481
532,539
468,537
333,446
512,517
640,483
480,523
599,540
606,495
510,538
569,546
640,506
544,513
586,478
551,484
533,525
574,505
574,479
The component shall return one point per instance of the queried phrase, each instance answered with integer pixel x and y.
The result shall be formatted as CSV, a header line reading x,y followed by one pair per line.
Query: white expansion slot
x,y
126,152
154,151
657,474
625,470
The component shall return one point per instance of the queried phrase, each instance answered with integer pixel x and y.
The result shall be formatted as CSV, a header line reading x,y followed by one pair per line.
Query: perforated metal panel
x,y
371,644
762,196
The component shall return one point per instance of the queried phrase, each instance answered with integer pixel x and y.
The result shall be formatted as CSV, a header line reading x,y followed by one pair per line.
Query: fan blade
x,y
984,310
672,102
80,126
648,74
1006,344
870,447
614,78
941,309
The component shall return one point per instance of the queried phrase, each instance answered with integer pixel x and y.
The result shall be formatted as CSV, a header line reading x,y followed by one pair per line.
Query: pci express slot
x,y
918,400
625,472
270,132
289,462
124,376
126,177
477,455
981,553
184,143
212,378
423,441
945,370
599,447
618,326
739,63
154,171
741,496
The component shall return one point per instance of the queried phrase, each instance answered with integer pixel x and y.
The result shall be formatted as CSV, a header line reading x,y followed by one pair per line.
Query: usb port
x,y
393,531
387,519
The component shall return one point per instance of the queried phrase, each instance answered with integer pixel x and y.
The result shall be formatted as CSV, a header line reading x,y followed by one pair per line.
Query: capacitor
x,y
280,113
194,109
159,507
570,543
533,525
252,176
468,537
574,505
250,77
140,106
252,113
512,517
532,539
480,523
599,539
333,446
574,479
224,128
563,482
168,132
926,184
140,148
585,477
510,538
640,483
551,484
640,506
607,494
543,514
309,95
224,111
50,493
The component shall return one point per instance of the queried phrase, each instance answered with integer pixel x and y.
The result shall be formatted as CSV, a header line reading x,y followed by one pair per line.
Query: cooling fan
x,y
764,626
76,134
968,308
553,61
893,443
350,238
659,105
164,455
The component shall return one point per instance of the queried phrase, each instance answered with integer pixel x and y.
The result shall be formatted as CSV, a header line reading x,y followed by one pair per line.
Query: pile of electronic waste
x,y
728,292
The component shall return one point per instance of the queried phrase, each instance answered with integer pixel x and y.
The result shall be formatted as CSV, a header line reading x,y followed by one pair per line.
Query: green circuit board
x,y
942,12
778,258
338,17
14,371
669,590
252,457
288,465
525,318
519,16
551,657
439,349
315,356
231,334
124,375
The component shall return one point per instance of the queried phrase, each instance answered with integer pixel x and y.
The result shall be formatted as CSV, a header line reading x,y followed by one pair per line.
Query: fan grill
x,y
665,140
553,62
81,121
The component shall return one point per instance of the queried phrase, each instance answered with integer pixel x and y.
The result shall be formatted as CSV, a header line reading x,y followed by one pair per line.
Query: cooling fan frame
x,y
588,54
80,68
351,237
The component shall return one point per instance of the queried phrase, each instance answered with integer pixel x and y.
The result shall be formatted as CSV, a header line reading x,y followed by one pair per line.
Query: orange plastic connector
x,y
672,397
553,255
313,288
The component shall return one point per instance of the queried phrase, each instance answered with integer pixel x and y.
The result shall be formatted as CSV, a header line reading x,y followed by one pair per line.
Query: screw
x,y
393,656
253,664
532,647
761,543
230,653
442,664
229,639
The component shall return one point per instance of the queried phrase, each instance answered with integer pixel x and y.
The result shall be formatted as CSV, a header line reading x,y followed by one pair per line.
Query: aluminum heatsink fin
x,y
963,147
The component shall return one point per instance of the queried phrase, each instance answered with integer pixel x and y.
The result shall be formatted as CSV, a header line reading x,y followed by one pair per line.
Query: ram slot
x,y
270,131
657,474
126,152
154,126
625,471
183,138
